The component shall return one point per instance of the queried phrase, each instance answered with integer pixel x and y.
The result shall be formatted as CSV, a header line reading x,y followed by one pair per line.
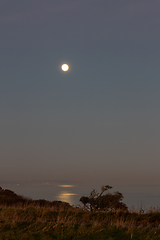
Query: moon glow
x,y
65,67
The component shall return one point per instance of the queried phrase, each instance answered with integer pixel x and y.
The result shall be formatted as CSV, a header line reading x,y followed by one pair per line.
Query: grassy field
x,y
22,218
33,222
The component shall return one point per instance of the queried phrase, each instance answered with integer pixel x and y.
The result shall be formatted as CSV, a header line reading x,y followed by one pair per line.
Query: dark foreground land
x,y
22,218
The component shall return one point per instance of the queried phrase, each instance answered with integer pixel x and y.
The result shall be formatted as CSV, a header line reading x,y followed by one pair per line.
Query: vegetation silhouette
x,y
104,201
23,218
9,198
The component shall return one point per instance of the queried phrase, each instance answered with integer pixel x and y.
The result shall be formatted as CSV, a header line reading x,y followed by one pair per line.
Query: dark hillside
x,y
9,198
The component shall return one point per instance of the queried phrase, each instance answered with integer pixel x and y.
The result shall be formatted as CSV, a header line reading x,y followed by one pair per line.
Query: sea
x,y
136,197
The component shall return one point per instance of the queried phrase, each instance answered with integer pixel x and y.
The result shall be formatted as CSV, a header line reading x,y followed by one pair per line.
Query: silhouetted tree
x,y
104,201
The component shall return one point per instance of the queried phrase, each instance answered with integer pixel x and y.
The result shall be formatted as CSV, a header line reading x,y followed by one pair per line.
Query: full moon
x,y
65,67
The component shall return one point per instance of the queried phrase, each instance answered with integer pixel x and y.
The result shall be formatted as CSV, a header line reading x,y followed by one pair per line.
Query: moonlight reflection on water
x,y
67,186
136,195
66,197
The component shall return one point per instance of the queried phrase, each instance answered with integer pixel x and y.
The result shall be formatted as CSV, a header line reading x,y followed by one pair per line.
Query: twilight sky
x,y
98,122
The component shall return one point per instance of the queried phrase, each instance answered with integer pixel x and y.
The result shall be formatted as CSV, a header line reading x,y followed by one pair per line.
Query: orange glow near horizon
x,y
66,186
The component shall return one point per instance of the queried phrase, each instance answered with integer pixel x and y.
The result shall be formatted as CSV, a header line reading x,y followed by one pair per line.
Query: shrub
x,y
106,202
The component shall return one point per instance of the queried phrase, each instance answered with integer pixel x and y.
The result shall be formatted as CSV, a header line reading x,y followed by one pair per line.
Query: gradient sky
x,y
97,123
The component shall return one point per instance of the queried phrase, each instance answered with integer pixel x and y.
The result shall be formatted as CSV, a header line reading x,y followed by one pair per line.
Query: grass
x,y
57,220
33,222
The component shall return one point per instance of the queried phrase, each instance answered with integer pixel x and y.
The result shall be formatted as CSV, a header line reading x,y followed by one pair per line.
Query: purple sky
x,y
99,122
